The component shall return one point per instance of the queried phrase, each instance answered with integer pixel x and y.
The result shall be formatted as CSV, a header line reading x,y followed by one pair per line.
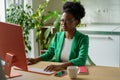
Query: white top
x,y
66,50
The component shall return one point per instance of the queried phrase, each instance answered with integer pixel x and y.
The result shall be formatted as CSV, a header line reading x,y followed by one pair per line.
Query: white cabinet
x,y
104,50
104,44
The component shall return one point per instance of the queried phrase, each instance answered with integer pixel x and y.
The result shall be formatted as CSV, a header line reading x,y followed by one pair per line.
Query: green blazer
x,y
78,52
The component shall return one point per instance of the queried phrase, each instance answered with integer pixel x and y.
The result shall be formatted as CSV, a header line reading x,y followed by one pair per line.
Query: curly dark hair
x,y
74,8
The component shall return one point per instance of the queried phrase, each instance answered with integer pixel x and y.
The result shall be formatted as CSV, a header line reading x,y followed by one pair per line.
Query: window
x,y
9,2
5,4
2,10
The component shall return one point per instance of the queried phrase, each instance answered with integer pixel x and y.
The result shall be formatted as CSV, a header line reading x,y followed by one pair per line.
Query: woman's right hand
x,y
31,61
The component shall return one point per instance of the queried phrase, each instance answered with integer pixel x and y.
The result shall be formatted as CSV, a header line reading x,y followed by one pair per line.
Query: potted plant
x,y
27,19
49,32
16,14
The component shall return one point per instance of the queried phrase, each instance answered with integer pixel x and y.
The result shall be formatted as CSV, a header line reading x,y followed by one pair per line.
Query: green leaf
x,y
57,23
47,33
46,18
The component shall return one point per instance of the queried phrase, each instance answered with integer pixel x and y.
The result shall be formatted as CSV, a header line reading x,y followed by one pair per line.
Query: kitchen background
x,y
102,11
103,28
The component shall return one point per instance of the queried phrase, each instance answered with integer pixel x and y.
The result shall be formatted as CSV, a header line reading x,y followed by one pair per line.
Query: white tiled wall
x,y
101,11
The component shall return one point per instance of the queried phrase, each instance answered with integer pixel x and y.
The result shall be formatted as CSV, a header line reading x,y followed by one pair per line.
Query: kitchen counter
x,y
100,29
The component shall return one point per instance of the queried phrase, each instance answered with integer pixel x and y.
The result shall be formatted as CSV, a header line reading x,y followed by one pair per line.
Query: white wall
x,y
102,11
53,4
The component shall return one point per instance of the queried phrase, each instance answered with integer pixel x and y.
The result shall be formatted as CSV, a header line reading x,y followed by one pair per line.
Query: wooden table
x,y
95,73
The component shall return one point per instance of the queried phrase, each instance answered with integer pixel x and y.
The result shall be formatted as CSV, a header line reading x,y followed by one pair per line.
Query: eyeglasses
x,y
62,21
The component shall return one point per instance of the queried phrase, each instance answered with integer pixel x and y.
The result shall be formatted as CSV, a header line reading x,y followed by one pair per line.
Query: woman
x,y
69,46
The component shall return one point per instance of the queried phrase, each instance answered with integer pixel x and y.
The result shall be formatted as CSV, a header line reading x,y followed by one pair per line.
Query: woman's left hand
x,y
54,68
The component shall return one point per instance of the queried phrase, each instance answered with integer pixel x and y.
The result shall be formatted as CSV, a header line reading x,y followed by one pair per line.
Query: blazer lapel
x,y
60,45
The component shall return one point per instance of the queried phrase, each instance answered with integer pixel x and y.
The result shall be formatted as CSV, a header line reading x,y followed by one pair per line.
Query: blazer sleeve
x,y
82,53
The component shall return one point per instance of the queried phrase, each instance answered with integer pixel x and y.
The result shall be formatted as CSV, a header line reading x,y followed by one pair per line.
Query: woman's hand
x,y
58,67
32,60
54,68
